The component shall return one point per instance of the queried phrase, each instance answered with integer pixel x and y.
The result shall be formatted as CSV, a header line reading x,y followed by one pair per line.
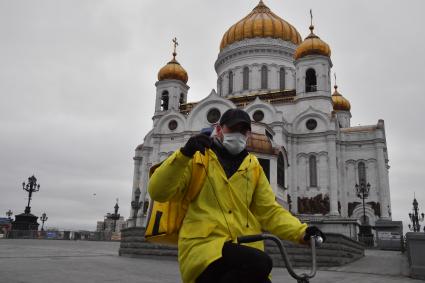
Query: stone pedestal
x,y
24,226
415,253
334,224
389,234
366,236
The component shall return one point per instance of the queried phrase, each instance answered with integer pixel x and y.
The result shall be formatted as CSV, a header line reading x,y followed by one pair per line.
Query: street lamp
x,y
135,204
30,187
8,214
115,216
362,192
43,219
414,217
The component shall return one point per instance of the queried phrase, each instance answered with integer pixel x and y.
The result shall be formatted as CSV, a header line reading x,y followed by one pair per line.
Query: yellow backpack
x,y
166,218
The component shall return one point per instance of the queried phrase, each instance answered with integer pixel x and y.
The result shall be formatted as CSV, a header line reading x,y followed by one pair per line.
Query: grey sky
x,y
77,88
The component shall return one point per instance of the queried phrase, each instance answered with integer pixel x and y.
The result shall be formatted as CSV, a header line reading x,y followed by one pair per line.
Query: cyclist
x,y
236,199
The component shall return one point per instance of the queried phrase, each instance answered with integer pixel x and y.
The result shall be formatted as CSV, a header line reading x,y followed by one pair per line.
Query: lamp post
x,y
115,216
135,204
415,218
31,187
8,214
43,219
362,192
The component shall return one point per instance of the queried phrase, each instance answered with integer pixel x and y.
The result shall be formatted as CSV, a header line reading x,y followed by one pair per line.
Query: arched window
x,y
220,86
164,100
310,81
282,78
230,82
245,84
182,100
264,77
265,163
362,173
281,171
313,171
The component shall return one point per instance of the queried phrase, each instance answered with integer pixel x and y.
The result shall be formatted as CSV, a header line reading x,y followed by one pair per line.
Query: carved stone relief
x,y
314,205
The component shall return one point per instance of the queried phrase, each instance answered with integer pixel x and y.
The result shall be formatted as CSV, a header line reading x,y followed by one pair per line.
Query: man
x,y
236,199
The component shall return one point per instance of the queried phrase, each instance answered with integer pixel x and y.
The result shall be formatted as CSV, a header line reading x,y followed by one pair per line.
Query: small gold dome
x,y
260,143
340,102
261,22
173,71
312,45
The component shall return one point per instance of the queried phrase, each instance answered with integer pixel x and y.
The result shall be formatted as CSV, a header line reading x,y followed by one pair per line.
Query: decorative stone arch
x,y
284,152
162,126
306,156
147,141
271,114
198,113
367,162
370,213
311,112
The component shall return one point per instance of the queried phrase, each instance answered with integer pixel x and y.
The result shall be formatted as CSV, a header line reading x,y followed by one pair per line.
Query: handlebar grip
x,y
317,240
250,238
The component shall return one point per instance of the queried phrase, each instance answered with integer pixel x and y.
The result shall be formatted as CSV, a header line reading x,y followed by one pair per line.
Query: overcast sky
x,y
77,88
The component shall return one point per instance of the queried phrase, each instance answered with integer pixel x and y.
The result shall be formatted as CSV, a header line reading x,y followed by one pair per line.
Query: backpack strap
x,y
199,174
256,171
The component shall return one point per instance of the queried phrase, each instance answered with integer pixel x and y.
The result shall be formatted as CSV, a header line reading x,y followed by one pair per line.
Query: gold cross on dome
x,y
175,42
311,17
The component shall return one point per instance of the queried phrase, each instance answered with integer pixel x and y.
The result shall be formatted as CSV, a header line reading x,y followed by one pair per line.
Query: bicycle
x,y
301,278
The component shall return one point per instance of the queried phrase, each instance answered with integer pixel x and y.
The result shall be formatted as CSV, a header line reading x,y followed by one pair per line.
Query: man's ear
x,y
218,129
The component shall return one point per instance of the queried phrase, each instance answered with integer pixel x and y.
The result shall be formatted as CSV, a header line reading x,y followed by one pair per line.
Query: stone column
x,y
333,174
383,183
255,82
136,178
294,174
343,181
144,191
237,79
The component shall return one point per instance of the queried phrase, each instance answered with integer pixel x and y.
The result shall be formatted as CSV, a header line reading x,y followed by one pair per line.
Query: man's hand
x,y
313,231
196,143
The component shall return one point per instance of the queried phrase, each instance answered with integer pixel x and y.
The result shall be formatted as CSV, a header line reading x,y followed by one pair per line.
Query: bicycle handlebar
x,y
314,241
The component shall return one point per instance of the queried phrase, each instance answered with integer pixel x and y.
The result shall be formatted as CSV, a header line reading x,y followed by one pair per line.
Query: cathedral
x,y
317,163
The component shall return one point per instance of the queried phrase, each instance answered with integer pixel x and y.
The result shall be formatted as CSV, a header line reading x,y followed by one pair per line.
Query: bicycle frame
x,y
301,278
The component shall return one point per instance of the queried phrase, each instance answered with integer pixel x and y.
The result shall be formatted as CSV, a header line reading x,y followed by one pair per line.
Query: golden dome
x,y
173,71
261,22
340,102
312,45
260,143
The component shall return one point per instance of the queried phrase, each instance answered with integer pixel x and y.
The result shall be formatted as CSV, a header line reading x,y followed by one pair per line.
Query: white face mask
x,y
234,142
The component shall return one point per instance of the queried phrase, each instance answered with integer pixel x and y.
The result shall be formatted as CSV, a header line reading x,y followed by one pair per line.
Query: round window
x,y
172,125
258,116
311,124
213,115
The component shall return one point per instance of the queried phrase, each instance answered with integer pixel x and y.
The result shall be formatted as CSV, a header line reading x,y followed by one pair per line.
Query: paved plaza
x,y
36,261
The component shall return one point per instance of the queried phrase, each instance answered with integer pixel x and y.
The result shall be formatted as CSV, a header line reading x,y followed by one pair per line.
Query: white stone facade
x,y
335,148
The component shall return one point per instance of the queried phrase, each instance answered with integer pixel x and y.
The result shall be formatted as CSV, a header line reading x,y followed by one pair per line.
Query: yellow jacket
x,y
224,209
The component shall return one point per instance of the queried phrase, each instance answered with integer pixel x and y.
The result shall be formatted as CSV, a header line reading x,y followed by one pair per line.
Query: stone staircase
x,y
338,250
